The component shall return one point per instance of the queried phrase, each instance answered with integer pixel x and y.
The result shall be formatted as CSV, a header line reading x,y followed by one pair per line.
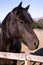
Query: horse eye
x,y
22,22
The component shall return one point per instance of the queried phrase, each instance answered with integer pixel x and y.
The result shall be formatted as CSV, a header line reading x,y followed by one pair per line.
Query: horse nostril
x,y
34,43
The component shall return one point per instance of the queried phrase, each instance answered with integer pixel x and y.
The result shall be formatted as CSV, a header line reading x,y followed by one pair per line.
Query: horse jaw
x,y
26,36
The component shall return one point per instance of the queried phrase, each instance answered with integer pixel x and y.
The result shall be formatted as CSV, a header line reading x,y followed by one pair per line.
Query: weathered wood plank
x,y
21,56
34,58
14,56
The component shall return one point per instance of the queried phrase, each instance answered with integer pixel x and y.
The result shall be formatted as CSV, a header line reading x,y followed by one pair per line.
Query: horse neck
x,y
2,45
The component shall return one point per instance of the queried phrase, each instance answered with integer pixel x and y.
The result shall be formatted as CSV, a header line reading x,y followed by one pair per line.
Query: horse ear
x,y
20,5
27,7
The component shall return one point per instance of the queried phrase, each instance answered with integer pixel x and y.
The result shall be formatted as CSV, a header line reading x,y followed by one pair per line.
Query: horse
x,y
16,28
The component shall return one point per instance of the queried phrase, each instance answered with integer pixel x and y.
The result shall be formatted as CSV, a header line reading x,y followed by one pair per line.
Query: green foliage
x,y
35,25
38,25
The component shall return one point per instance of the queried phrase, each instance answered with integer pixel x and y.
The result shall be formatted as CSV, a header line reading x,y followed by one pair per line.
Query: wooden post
x,y
27,62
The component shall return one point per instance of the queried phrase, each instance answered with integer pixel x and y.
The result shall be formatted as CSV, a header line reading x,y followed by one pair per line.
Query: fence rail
x,y
21,56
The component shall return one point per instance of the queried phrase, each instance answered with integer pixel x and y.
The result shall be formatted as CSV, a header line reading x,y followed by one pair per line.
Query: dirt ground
x,y
24,48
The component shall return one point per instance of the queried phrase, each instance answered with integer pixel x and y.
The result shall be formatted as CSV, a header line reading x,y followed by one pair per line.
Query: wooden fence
x,y
21,56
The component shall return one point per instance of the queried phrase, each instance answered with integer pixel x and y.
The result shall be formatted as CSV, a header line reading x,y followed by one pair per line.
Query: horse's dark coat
x,y
12,33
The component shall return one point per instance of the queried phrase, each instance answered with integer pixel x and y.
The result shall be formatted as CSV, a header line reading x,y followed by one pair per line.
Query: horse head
x,y
17,24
